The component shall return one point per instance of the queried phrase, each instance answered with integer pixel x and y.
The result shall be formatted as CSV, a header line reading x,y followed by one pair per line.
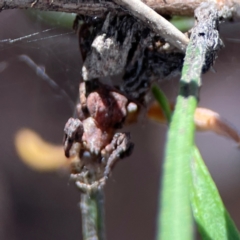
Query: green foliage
x,y
212,218
186,181
175,220
64,20
163,102
183,23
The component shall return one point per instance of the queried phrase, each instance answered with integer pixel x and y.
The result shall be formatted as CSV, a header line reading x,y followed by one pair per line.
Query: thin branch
x,y
143,10
93,8
92,209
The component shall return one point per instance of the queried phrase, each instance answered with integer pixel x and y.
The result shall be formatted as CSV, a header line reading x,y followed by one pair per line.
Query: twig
x,y
136,7
175,215
93,8
156,22
92,209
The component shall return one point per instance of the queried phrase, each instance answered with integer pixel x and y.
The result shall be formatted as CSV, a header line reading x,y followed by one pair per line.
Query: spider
x,y
110,46
90,140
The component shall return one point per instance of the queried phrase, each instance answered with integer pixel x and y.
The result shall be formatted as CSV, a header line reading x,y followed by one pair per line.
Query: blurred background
x,y
36,205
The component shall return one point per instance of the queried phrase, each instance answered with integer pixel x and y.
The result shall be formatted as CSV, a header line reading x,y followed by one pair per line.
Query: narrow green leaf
x,y
175,221
163,102
212,218
209,212
174,217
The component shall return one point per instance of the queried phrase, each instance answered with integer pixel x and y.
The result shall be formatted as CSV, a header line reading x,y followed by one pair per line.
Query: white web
x,y
9,40
51,52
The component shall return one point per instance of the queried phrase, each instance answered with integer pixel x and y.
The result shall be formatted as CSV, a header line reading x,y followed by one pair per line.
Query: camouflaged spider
x,y
90,140
110,46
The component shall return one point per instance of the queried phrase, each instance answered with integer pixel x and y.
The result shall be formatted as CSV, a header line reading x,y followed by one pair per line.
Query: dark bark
x,y
96,8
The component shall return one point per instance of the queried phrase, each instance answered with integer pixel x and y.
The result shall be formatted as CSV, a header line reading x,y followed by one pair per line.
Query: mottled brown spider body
x,y
91,140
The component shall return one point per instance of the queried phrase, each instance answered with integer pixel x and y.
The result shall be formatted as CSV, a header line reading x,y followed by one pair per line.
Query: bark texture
x,y
98,8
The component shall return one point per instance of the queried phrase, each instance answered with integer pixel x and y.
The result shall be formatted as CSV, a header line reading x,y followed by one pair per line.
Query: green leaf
x,y
64,20
212,218
163,102
174,217
175,221
209,212
182,23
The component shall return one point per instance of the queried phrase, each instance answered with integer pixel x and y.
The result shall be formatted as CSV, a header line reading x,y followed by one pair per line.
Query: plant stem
x,y
212,218
175,220
100,8
92,209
